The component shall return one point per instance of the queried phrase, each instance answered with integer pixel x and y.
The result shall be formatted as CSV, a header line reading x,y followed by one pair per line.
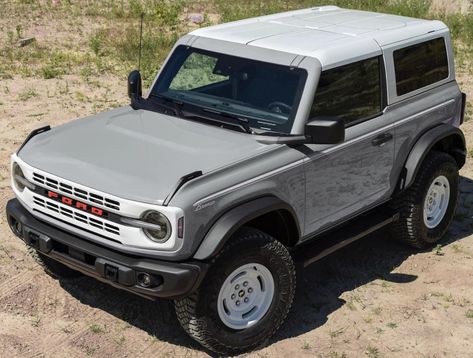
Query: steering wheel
x,y
279,107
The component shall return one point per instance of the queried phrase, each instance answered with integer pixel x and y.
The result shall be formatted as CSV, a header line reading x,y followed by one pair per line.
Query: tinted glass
x,y
420,65
266,95
351,92
196,72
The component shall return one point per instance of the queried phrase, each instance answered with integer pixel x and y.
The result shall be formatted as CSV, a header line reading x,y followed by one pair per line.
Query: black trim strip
x,y
180,183
462,113
32,134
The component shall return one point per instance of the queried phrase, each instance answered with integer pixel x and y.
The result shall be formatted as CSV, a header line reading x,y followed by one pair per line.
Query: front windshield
x,y
264,95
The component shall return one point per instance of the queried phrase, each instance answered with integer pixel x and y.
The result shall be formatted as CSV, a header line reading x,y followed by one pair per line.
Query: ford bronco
x,y
260,144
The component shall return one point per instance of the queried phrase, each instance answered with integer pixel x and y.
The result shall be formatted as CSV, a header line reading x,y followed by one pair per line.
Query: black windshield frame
x,y
262,123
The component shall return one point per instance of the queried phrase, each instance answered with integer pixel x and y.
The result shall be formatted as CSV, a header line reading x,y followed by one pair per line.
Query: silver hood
x,y
135,154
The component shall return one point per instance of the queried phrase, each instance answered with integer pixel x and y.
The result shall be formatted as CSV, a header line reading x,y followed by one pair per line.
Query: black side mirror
x,y
325,130
134,85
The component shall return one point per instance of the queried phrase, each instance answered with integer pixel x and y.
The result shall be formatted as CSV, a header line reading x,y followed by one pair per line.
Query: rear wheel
x,y
428,206
245,296
53,268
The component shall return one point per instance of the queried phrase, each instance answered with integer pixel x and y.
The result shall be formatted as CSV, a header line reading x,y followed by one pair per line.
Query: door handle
x,y
382,139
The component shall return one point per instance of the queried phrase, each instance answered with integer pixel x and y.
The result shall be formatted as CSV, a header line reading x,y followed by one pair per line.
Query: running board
x,y
329,242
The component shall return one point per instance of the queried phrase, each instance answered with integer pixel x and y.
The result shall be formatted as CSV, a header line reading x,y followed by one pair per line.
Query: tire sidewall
x,y
284,286
450,171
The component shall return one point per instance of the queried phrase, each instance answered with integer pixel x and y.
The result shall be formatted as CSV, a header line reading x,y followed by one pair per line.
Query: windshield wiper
x,y
239,121
245,128
175,107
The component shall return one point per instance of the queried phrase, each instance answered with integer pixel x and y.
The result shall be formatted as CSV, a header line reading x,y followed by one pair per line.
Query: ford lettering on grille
x,y
75,203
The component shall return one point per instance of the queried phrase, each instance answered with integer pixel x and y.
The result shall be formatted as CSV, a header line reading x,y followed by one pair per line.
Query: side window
x,y
351,92
197,71
420,65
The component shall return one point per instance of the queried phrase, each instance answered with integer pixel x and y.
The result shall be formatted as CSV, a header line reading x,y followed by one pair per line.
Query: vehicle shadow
x,y
319,286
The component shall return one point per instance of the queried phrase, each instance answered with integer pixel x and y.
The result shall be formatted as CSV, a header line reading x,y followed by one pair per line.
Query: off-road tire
x,y
411,228
53,268
198,312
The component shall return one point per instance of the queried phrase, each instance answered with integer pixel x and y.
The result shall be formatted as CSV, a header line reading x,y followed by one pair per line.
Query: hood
x,y
136,154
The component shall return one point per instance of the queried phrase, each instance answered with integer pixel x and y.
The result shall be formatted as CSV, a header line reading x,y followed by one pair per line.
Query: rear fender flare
x,y
449,139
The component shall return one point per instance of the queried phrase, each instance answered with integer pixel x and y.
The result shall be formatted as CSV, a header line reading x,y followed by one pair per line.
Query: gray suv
x,y
261,143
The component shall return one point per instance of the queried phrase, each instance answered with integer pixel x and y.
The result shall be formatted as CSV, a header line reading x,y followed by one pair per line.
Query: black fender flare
x,y
235,218
456,147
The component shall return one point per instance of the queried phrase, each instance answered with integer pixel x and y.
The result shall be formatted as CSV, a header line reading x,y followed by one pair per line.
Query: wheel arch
x,y
445,138
269,214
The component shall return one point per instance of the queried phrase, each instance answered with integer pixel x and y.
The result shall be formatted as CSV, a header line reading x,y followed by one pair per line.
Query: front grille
x,y
79,193
75,215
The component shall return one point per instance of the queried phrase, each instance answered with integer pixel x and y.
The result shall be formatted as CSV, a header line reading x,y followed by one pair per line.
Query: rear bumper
x,y
168,279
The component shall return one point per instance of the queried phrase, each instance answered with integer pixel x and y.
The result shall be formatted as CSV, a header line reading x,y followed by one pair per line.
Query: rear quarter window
x,y
420,65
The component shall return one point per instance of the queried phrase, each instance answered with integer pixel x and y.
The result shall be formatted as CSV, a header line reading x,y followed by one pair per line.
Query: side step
x,y
331,241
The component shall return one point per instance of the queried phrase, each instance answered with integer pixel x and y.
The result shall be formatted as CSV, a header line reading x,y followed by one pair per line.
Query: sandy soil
x,y
375,298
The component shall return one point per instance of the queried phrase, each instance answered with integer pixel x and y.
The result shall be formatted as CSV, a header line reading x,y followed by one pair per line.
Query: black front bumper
x,y
169,279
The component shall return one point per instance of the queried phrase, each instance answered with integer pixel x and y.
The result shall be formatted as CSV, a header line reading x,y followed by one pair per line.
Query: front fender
x,y
235,218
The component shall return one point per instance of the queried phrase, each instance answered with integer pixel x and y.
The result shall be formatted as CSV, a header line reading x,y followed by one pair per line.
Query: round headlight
x,y
18,177
160,228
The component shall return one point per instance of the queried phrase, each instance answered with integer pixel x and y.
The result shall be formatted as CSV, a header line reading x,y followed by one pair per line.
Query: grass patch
x,y
469,314
96,328
350,305
372,352
240,9
336,333
26,95
437,250
113,48
377,310
334,354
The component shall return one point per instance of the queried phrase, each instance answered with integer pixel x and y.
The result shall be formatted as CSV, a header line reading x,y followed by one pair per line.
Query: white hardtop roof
x,y
331,34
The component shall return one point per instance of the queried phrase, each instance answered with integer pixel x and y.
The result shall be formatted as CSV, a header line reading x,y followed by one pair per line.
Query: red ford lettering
x,y
52,194
96,211
74,203
81,206
66,200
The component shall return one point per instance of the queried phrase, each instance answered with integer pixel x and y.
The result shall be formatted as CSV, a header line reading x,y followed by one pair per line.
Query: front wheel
x,y
427,208
245,296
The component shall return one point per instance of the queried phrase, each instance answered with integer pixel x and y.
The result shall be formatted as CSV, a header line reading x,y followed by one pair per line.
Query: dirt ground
x,y
376,298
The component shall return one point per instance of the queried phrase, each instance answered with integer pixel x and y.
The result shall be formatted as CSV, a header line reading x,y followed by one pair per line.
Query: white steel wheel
x,y
245,296
436,201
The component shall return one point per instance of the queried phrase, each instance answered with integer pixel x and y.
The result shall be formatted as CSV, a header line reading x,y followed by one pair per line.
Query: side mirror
x,y
134,85
325,130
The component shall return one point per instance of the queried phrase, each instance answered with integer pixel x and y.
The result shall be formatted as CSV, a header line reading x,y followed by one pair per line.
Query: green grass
x,y
96,328
437,250
240,9
113,47
372,352
469,314
26,95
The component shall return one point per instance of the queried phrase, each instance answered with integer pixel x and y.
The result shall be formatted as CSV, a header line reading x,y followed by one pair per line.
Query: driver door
x,y
347,178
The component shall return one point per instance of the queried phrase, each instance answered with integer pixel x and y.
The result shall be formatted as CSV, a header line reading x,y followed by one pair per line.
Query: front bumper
x,y
169,279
